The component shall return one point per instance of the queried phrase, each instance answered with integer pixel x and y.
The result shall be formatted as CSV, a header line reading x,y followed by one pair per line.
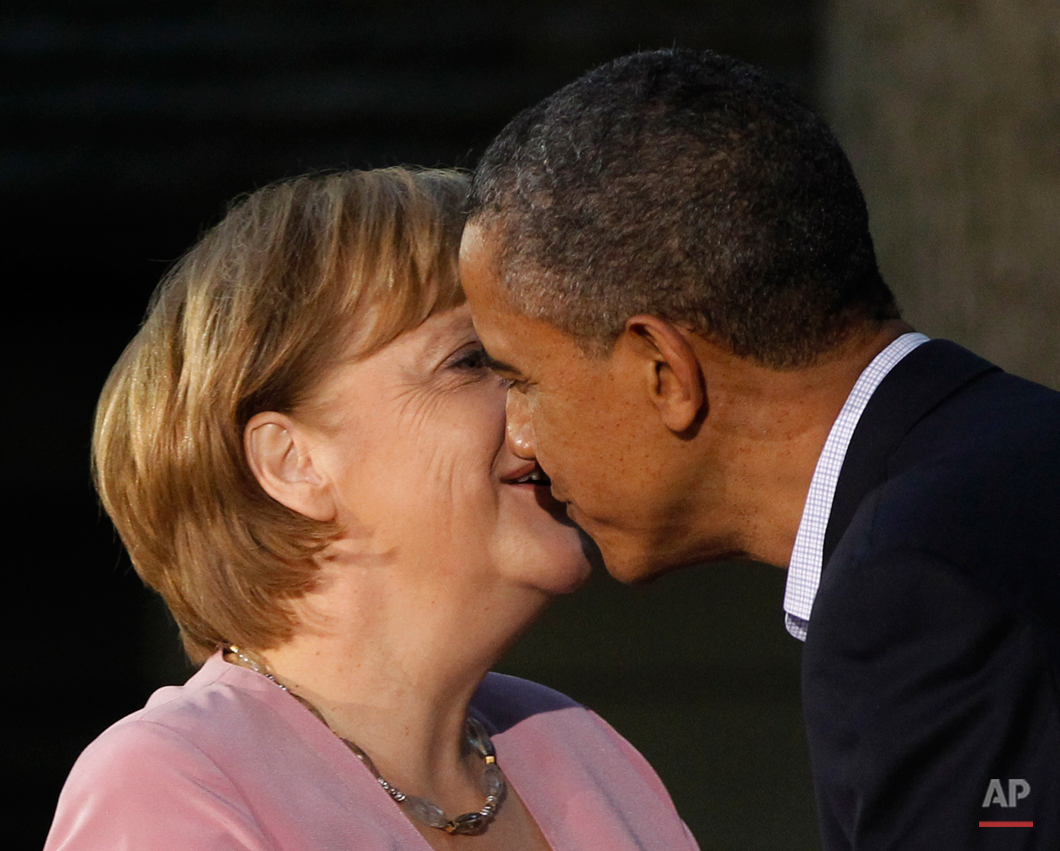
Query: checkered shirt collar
x,y
804,569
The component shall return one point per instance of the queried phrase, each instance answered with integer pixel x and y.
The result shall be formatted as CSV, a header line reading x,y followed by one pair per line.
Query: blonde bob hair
x,y
297,276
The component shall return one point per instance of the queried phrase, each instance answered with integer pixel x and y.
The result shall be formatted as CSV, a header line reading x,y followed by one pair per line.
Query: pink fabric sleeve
x,y
144,787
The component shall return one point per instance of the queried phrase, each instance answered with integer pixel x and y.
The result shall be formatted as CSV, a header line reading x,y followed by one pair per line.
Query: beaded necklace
x,y
426,812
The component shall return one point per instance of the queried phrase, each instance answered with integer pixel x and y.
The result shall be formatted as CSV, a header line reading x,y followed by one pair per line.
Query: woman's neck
x,y
392,665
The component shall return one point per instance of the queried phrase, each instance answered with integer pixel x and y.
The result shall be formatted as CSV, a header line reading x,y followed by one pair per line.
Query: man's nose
x,y
519,428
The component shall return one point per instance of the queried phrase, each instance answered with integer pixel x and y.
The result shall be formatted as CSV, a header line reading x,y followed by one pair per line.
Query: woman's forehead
x,y
424,345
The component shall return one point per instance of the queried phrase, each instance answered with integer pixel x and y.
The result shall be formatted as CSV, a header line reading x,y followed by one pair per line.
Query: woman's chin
x,y
541,547
573,579
580,565
584,556
571,566
552,562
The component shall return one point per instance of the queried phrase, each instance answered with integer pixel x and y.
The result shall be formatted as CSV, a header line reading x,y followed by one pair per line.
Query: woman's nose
x,y
520,430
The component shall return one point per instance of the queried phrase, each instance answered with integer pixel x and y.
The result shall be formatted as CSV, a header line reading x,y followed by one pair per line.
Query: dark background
x,y
126,128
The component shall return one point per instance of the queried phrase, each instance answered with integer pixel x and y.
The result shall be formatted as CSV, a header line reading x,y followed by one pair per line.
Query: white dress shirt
x,y
807,556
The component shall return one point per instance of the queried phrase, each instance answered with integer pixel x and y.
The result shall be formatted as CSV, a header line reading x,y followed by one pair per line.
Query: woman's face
x,y
412,440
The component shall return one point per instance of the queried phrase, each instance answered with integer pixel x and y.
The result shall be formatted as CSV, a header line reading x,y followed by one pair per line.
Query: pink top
x,y
230,761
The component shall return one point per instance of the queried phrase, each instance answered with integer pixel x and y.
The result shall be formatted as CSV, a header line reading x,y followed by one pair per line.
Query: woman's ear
x,y
278,451
672,373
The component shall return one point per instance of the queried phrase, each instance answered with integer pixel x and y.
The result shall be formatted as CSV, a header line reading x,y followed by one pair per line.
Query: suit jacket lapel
x,y
922,379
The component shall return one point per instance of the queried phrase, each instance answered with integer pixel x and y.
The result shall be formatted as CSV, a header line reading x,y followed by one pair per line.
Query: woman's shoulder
x,y
196,729
218,699
554,749
532,719
185,726
136,775
506,700
203,747
528,714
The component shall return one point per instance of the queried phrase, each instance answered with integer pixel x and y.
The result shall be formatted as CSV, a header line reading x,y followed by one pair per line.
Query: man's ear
x,y
671,370
279,455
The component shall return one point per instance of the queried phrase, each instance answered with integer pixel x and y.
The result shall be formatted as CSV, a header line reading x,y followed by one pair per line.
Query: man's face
x,y
581,416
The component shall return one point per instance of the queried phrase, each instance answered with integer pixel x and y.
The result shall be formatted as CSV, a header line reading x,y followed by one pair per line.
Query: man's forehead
x,y
523,346
474,238
479,250
481,280
515,341
508,335
480,272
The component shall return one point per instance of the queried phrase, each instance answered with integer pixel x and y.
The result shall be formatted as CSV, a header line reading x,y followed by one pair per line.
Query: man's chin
x,y
621,558
619,554
632,571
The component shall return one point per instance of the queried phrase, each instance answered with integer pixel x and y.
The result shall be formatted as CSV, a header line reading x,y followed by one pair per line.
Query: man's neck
x,y
763,436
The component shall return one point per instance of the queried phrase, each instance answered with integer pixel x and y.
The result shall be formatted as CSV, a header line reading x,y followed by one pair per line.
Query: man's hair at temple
x,y
686,185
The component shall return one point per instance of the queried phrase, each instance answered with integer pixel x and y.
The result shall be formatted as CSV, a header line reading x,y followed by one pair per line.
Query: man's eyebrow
x,y
500,366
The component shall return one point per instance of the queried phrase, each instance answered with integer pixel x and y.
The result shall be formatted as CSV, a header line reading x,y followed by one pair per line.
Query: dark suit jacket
x,y
932,661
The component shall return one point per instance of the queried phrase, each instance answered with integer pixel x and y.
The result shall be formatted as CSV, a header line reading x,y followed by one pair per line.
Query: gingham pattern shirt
x,y
807,556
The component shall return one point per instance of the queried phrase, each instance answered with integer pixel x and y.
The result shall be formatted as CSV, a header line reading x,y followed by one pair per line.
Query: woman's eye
x,y
472,359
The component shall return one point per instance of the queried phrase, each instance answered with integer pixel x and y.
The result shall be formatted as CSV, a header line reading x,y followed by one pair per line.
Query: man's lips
x,y
528,474
532,477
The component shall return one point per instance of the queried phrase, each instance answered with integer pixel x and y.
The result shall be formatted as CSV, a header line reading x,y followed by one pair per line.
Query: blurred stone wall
x,y
950,111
